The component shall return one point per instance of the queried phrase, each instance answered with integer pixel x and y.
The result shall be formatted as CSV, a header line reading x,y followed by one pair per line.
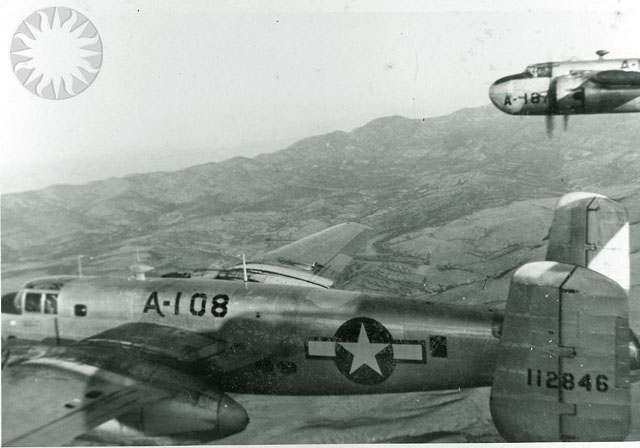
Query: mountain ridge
x,y
394,173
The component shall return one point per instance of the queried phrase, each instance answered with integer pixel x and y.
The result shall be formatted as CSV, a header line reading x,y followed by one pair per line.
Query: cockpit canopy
x,y
36,296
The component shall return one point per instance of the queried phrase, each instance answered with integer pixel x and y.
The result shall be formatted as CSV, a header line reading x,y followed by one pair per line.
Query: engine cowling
x,y
569,94
185,419
583,94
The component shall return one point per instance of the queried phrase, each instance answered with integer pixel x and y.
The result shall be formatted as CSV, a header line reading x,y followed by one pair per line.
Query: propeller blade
x,y
552,106
549,123
565,122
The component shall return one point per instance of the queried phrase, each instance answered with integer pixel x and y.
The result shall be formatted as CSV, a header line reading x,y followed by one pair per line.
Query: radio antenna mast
x,y
244,269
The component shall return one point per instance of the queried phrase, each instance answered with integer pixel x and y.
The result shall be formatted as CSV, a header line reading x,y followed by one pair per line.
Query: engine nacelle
x,y
186,419
582,94
569,94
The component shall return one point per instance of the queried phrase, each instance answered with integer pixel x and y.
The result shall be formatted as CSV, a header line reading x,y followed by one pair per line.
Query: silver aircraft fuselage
x,y
319,338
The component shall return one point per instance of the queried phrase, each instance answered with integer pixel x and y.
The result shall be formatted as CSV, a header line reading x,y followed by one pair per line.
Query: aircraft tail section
x,y
563,371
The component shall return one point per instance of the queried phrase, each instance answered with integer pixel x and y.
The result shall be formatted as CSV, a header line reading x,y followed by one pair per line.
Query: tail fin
x,y
563,372
591,230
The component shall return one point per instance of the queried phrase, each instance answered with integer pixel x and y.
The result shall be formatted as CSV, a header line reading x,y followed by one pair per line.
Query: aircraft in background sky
x,y
157,357
569,88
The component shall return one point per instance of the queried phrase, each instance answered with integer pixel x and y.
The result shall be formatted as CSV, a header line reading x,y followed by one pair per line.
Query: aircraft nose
x,y
499,94
232,417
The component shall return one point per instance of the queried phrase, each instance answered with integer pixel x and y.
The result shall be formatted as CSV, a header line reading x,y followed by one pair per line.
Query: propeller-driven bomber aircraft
x,y
157,357
569,88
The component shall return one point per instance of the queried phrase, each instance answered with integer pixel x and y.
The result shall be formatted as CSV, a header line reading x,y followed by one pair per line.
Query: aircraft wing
x,y
617,78
135,369
326,253
50,402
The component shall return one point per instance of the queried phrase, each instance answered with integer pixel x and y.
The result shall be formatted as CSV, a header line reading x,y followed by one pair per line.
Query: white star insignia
x,y
364,352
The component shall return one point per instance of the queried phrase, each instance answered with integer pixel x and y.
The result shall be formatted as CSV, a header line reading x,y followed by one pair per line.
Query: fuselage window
x,y
80,310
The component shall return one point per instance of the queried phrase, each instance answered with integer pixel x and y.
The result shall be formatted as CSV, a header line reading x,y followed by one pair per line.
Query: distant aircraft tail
x,y
564,368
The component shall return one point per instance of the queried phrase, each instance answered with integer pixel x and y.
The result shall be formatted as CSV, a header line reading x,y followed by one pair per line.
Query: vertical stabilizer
x,y
592,231
565,362
563,371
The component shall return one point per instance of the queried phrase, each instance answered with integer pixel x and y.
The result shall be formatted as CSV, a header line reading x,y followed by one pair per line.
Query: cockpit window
x,y
51,303
11,303
32,302
41,302
539,70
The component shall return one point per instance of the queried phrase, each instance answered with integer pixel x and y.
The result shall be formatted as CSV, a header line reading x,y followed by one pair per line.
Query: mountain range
x,y
395,174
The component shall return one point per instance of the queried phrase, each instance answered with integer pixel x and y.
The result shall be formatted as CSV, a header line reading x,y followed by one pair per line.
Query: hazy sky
x,y
188,82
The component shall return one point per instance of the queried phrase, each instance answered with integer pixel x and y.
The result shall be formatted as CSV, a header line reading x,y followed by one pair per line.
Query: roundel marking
x,y
364,351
